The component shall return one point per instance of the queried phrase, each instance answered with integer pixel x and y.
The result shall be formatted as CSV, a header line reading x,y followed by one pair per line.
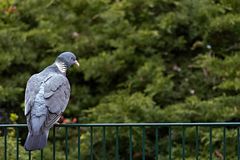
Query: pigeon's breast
x,y
39,107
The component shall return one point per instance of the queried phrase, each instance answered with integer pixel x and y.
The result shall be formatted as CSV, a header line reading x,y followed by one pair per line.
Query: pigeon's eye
x,y
72,58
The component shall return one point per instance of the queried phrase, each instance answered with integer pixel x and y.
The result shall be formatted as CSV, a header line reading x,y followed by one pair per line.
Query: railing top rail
x,y
135,124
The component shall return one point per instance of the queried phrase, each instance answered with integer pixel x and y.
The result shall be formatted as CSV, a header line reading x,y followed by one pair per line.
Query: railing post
x,y
130,143
29,155
224,143
238,143
104,143
143,142
210,143
156,143
5,143
91,142
197,143
17,143
169,143
66,141
183,143
54,143
41,154
117,144
79,144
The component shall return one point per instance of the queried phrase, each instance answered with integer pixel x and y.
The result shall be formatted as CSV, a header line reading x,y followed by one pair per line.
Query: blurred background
x,y
140,60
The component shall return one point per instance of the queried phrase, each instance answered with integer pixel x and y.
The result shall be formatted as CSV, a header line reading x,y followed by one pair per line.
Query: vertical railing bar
x,y
210,143
91,142
183,143
41,154
238,142
17,143
169,143
5,143
29,155
79,147
54,142
143,142
197,143
156,143
130,143
66,141
224,143
104,143
117,144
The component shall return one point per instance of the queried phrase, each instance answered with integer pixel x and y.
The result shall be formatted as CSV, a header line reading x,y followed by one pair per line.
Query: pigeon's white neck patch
x,y
61,66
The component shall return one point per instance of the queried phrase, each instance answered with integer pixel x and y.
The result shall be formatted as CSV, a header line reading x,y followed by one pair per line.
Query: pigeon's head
x,y
68,59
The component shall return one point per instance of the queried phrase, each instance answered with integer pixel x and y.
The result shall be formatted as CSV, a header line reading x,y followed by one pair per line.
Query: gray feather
x,y
36,142
46,97
33,86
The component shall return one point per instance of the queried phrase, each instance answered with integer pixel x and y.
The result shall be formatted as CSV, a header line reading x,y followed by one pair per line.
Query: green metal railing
x,y
146,129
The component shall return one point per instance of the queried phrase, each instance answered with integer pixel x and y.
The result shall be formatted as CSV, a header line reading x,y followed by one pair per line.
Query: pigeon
x,y
46,97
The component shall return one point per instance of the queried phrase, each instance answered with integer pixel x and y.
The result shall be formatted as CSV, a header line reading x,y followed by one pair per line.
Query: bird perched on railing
x,y
46,97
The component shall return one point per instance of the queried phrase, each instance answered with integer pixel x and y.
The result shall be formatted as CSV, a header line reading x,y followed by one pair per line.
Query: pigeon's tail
x,y
36,142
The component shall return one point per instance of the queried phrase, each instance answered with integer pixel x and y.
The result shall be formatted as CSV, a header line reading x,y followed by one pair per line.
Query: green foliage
x,y
140,61
122,107
12,146
225,71
224,30
11,153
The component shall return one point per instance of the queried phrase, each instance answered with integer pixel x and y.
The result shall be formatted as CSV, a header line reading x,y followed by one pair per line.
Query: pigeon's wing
x,y
32,89
56,94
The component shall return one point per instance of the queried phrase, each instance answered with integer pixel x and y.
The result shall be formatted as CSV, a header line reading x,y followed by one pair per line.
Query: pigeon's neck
x,y
62,67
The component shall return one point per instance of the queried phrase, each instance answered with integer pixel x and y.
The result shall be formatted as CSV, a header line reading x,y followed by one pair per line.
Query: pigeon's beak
x,y
76,62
